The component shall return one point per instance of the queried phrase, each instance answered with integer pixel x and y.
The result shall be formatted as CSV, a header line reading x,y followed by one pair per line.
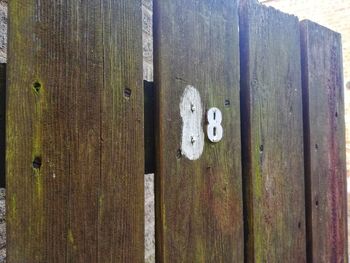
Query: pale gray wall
x,y
3,31
149,178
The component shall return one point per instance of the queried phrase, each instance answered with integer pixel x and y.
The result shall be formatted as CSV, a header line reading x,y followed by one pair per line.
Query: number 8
x,y
214,129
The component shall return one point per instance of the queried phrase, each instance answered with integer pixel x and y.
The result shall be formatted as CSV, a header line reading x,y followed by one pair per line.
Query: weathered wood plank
x,y
272,134
325,160
75,136
121,226
2,123
37,156
85,152
199,203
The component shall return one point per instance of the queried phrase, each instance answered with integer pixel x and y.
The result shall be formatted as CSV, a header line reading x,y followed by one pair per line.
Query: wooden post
x,y
272,134
199,192
75,157
325,161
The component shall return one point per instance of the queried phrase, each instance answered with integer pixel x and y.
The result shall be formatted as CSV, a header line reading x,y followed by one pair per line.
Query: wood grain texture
x,y
75,132
2,123
324,124
272,134
198,203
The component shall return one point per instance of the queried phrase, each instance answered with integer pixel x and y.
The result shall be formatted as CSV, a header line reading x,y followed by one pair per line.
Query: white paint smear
x,y
192,131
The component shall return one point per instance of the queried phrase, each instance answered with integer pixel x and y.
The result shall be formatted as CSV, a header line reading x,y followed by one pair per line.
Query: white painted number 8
x,y
214,129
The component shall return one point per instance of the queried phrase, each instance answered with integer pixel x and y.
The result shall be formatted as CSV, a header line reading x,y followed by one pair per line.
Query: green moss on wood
x,y
70,237
12,211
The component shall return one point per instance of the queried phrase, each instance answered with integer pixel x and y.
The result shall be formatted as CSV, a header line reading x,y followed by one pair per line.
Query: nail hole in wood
x,y
37,162
316,146
261,148
179,154
316,203
299,225
336,114
227,103
127,93
37,86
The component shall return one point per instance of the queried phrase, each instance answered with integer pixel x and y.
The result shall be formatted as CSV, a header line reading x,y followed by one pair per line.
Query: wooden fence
x,y
245,133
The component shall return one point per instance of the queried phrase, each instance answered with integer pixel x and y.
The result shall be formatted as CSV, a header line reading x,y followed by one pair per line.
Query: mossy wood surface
x,y
2,123
272,134
325,165
199,214
75,158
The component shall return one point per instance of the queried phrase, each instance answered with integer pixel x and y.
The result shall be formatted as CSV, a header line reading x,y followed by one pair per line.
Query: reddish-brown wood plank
x,y
199,202
272,134
324,126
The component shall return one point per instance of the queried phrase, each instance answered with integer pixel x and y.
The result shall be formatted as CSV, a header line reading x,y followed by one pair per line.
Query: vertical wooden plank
x,y
85,146
2,123
39,109
272,133
199,202
121,226
73,140
324,126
